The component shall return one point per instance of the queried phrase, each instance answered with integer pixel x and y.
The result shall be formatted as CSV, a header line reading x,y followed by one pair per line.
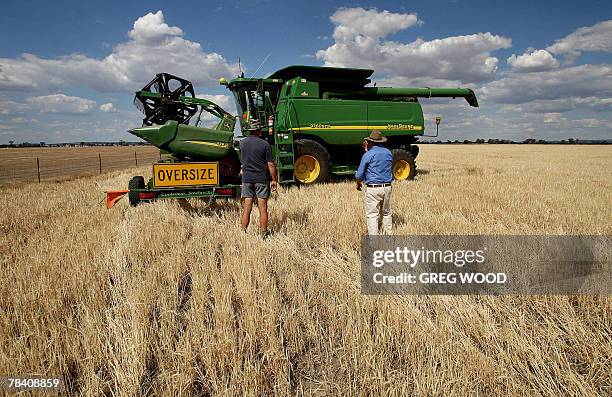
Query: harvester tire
x,y
404,167
414,151
136,182
312,162
229,169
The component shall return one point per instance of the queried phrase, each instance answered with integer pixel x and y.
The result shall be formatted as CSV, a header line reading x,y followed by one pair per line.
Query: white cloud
x,y
60,103
532,61
587,39
353,22
359,42
108,108
592,123
553,118
153,47
584,81
225,101
152,27
563,105
11,107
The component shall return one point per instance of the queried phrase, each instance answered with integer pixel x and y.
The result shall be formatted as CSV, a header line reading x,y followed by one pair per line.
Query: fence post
x,y
38,168
100,162
135,158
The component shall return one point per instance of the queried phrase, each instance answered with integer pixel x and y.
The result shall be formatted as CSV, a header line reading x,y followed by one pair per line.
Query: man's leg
x,y
262,204
247,195
372,209
247,206
387,223
263,194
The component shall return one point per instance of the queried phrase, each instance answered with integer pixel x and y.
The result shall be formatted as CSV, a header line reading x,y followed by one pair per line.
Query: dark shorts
x,y
255,190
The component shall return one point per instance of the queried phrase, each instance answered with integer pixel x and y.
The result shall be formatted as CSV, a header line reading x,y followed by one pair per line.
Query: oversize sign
x,y
185,174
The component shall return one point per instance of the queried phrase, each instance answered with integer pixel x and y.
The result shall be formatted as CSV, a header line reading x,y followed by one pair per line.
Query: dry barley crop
x,y
164,299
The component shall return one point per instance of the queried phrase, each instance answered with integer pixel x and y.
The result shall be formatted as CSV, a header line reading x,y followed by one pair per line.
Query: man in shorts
x,y
258,176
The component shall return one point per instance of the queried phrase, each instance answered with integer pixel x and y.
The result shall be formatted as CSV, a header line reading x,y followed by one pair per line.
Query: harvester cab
x,y
255,99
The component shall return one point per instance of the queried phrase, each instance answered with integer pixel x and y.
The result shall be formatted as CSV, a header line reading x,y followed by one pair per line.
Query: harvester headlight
x,y
222,81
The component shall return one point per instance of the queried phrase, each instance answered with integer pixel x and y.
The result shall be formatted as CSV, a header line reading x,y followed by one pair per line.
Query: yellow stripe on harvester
x,y
215,144
409,127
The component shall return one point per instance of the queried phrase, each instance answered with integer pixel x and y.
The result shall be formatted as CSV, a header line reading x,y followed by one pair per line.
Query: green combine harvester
x,y
316,118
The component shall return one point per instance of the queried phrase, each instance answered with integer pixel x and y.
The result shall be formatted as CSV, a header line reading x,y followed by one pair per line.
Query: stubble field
x,y
169,300
22,165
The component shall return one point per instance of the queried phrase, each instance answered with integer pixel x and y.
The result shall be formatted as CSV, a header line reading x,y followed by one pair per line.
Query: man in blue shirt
x,y
375,169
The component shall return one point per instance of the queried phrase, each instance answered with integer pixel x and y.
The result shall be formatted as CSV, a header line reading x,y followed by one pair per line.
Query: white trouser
x,y
377,205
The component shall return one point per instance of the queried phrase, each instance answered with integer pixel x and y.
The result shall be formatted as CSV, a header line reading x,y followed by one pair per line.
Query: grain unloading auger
x,y
316,118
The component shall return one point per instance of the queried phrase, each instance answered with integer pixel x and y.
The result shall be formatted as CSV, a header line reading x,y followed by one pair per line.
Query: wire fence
x,y
40,168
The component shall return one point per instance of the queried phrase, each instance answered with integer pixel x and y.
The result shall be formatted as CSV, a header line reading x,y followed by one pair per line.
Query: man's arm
x,y
272,169
360,173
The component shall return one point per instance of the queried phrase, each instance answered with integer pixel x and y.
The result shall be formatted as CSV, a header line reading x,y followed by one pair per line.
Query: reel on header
x,y
158,109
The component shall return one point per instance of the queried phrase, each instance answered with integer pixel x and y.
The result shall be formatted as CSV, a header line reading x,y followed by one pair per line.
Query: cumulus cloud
x,y
108,107
584,81
225,101
553,118
60,103
353,22
153,46
563,105
151,27
8,107
533,61
587,39
359,42
592,123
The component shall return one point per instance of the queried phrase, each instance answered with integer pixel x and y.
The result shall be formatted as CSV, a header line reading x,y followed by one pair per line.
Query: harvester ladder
x,y
284,156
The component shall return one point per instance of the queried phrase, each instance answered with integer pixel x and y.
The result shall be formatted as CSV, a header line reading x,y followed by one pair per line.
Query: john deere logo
x,y
304,93
400,127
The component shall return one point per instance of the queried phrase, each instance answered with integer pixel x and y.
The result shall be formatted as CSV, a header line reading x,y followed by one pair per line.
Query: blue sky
x,y
540,69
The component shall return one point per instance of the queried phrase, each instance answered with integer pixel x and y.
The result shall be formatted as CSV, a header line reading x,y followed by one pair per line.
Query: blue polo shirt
x,y
375,166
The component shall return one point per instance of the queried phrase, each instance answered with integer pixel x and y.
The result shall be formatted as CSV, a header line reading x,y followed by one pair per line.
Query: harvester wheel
x,y
414,151
136,182
312,162
404,166
229,169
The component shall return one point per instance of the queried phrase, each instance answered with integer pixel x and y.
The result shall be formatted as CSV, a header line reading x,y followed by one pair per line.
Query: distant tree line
x,y
72,144
570,141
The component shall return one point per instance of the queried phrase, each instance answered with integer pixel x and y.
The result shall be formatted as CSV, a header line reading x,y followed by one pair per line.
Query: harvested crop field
x,y
164,299
19,165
